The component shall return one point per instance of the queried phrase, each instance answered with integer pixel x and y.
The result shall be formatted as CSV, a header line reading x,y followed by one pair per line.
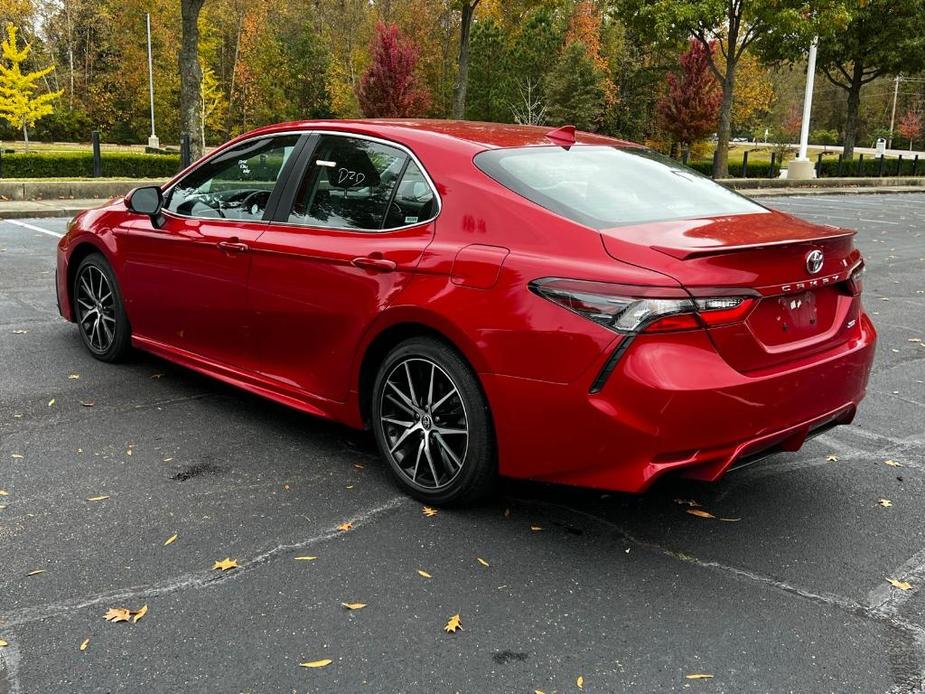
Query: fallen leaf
x,y
687,502
36,572
73,377
3,492
535,528
699,676
18,456
117,614
429,512
730,520
305,558
424,574
580,682
892,463
902,585
886,503
507,513
538,691
87,404
84,644
170,540
3,644
226,564
831,458
452,625
51,402
344,527
358,466
700,513
317,663
20,332
97,498
139,614
481,561
157,376
354,605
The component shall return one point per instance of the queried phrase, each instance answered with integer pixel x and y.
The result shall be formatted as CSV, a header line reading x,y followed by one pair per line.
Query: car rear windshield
x,y
603,186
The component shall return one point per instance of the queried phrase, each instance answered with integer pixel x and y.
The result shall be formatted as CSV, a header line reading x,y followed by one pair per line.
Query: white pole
x,y
889,142
808,98
152,141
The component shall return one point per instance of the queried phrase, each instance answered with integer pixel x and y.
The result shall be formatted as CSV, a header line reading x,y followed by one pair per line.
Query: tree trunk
x,y
190,74
851,113
462,80
724,128
25,136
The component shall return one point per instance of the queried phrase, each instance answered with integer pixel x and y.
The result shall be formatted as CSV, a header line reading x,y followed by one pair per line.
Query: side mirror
x,y
146,200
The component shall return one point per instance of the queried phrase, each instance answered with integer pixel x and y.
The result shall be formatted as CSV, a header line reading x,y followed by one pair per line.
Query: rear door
x,y
186,280
342,247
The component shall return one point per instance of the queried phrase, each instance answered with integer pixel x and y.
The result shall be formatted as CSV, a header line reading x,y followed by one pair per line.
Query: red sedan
x,y
488,299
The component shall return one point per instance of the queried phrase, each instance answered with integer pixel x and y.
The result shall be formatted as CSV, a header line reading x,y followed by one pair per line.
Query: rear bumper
x,y
672,403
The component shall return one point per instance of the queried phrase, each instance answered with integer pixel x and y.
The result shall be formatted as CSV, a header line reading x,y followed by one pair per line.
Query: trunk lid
x,y
797,312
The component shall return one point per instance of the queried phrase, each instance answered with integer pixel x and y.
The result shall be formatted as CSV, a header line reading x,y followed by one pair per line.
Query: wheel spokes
x,y
96,319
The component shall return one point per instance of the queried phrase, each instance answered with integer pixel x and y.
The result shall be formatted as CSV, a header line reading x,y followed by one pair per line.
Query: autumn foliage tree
x,y
910,126
390,88
689,107
19,103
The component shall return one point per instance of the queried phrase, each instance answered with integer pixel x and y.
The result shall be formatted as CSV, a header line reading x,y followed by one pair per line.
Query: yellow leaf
x,y
344,527
580,682
306,558
902,585
97,498
892,463
117,614
317,663
84,644
538,691
429,512
73,377
170,540
886,503
481,561
832,458
20,332
699,676
700,513
87,403
36,572
51,402
424,574
354,605
3,644
452,625
3,492
17,456
139,614
358,466
226,564
536,528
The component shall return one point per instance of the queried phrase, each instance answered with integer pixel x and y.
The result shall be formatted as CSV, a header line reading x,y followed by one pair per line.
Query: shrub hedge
x,y
80,164
869,167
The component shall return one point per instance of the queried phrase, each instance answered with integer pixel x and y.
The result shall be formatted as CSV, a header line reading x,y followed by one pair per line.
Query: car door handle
x,y
233,246
369,263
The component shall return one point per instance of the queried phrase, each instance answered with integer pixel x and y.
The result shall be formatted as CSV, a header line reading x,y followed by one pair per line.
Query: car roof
x,y
444,134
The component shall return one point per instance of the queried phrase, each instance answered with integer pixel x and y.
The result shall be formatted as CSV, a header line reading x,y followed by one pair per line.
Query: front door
x,y
186,281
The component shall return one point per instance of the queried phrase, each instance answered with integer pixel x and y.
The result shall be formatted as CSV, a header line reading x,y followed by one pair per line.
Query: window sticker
x,y
410,220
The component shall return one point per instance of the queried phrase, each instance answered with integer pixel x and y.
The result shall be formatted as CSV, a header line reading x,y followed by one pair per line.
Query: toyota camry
x,y
489,300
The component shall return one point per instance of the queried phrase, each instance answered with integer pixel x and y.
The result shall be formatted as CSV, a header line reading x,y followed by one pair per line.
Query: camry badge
x,y
814,262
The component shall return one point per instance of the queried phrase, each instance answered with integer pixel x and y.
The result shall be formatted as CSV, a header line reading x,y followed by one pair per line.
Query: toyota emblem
x,y
814,261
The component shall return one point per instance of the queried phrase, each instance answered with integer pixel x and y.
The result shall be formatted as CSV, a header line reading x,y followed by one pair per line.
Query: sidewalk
x,y
23,209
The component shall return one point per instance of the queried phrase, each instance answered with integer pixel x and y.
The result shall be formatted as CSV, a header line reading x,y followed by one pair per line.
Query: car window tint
x,y
349,184
601,186
235,184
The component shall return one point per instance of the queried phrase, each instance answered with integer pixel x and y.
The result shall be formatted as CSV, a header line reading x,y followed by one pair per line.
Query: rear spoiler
x,y
703,251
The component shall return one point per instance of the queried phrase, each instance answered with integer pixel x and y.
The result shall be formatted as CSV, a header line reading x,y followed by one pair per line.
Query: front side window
x,y
602,186
236,184
351,183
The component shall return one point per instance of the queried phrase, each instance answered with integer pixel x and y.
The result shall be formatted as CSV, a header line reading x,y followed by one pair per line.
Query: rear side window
x,y
352,183
602,186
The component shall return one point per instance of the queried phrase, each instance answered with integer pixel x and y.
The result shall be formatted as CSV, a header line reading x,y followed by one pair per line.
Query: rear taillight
x,y
856,281
631,309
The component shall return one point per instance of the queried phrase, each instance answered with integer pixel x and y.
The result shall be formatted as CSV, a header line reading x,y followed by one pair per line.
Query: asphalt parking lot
x,y
632,594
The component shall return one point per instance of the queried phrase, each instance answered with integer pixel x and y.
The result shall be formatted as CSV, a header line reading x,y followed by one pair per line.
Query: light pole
x,y
889,141
802,167
153,141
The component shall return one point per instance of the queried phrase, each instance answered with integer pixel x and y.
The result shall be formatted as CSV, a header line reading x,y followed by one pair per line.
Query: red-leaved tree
x,y
910,126
689,108
390,88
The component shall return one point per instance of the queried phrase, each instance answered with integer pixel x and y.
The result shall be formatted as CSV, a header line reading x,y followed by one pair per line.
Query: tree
x,y
462,79
882,37
190,74
390,88
689,107
489,73
20,106
735,25
575,90
910,125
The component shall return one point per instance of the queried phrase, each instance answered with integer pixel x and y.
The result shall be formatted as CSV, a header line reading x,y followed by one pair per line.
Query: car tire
x,y
433,425
99,310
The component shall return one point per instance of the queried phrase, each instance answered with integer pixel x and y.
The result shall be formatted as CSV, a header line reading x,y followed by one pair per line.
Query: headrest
x,y
352,169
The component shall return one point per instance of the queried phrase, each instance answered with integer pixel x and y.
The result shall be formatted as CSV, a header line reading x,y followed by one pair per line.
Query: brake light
x,y
631,309
856,281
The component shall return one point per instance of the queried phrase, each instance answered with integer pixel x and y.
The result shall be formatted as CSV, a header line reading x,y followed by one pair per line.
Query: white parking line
x,y
26,225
